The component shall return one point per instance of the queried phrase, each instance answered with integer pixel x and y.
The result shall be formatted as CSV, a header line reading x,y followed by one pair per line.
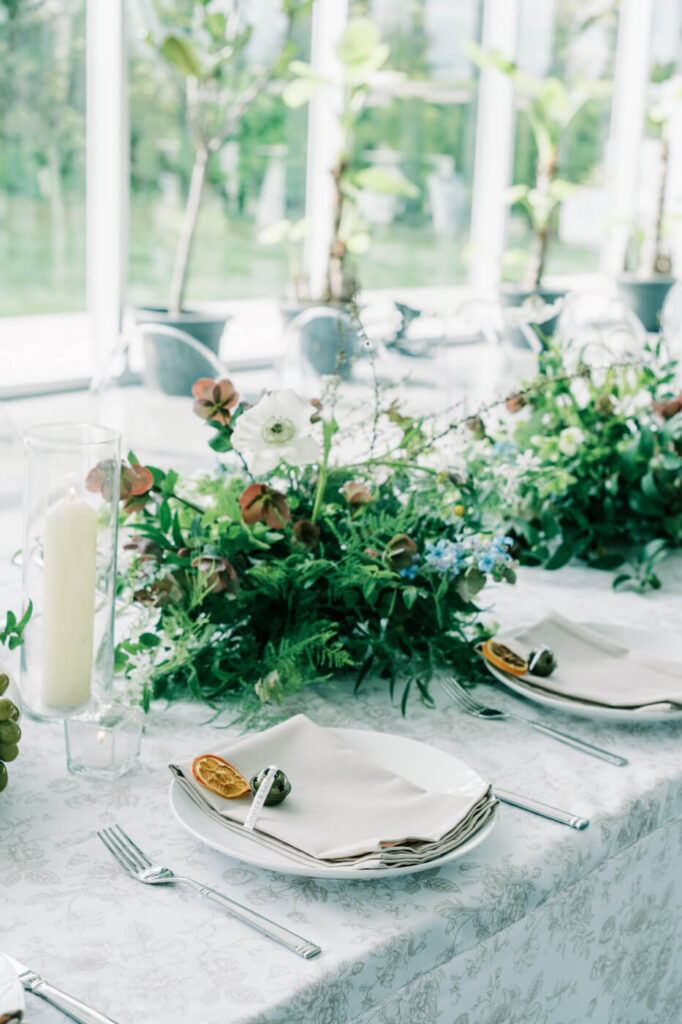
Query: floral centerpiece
x,y
290,564
587,464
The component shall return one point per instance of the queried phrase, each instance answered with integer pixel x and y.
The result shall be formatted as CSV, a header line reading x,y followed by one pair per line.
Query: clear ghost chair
x,y
145,391
671,323
597,328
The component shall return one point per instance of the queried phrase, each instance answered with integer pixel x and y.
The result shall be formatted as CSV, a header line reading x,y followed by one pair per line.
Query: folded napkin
x,y
343,810
592,668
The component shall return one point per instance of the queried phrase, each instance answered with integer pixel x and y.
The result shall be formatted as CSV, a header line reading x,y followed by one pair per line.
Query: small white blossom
x,y
277,428
527,462
570,440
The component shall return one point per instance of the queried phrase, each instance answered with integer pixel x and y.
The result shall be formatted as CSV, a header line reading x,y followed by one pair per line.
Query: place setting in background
x,y
601,671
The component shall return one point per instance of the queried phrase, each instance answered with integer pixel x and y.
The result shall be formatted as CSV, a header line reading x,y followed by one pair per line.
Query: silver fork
x,y
131,858
472,707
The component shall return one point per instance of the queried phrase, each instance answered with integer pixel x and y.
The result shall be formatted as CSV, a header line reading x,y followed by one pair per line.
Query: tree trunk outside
x,y
662,262
545,175
57,214
189,223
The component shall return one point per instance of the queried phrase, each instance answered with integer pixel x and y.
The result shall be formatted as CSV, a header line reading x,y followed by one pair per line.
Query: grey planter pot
x,y
326,336
513,296
179,348
645,297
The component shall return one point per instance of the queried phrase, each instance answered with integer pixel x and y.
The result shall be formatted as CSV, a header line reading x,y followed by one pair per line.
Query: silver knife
x,y
73,1008
526,803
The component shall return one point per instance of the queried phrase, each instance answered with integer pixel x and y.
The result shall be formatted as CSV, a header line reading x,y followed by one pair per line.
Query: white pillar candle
x,y
70,549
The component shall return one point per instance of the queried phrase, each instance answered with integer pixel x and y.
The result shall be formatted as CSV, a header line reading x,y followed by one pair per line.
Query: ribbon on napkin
x,y
343,809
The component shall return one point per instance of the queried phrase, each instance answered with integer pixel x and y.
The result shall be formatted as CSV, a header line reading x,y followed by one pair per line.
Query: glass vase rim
x,y
92,435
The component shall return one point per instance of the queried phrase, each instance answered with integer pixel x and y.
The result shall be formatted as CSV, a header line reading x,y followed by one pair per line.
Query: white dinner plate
x,y
426,766
663,645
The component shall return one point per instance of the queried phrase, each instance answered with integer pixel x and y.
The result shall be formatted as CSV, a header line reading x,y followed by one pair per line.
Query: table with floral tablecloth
x,y
538,925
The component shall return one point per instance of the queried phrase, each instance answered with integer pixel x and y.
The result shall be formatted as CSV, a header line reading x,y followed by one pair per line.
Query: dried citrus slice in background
x,y
504,658
219,776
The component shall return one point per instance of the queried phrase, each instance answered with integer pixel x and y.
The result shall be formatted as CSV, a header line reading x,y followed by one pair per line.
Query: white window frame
x,y
107,152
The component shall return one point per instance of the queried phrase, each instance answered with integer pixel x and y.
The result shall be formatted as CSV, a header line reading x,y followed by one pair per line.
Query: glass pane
x,y
255,175
568,46
428,135
656,238
42,186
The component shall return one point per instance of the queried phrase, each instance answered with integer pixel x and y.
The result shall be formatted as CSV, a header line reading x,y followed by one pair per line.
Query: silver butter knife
x,y
525,803
73,1008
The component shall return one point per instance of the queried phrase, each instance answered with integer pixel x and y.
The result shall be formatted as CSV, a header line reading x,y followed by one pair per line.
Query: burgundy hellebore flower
x,y
214,399
135,480
515,402
356,492
399,552
666,410
306,534
220,574
261,503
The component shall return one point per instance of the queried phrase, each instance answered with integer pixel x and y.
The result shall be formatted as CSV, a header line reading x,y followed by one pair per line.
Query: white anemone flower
x,y
277,428
570,440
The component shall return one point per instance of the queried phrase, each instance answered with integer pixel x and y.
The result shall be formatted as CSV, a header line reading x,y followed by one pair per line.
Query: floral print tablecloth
x,y
538,925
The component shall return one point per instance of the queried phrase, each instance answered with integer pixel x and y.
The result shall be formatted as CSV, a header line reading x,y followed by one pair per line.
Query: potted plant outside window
x,y
648,262
206,47
329,340
551,107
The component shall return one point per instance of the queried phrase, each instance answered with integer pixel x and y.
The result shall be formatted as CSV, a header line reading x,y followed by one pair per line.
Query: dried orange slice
x,y
503,657
219,776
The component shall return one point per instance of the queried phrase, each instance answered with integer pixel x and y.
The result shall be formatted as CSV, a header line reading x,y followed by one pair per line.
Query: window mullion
x,y
324,137
106,170
628,112
494,148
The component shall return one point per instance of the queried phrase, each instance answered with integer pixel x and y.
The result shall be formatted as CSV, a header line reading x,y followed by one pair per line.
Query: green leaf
x,y
606,562
654,547
216,23
300,91
165,516
386,182
406,693
410,595
563,554
178,539
221,442
181,55
649,487
149,640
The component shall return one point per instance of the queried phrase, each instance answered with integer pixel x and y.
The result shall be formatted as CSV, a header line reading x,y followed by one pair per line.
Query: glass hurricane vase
x,y
71,489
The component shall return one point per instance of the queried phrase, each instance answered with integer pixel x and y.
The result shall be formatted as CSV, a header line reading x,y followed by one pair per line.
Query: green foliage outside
x,y
42,189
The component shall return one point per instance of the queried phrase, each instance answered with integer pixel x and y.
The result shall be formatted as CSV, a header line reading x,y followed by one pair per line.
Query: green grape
x,y
9,732
3,776
4,682
8,709
8,751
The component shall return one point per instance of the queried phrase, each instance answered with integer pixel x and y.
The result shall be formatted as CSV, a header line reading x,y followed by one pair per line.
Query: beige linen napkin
x,y
592,668
343,808
11,993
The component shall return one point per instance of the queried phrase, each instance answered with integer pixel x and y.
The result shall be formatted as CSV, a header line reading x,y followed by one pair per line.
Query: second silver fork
x,y
472,707
136,863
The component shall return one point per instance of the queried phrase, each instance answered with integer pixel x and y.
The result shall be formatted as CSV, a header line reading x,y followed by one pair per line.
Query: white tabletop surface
x,y
164,956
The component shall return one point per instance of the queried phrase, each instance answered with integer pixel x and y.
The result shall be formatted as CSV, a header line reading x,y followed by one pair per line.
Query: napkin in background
x,y
591,667
343,809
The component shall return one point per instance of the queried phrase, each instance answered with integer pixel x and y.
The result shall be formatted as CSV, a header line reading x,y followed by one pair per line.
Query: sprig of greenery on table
x,y
254,589
588,465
